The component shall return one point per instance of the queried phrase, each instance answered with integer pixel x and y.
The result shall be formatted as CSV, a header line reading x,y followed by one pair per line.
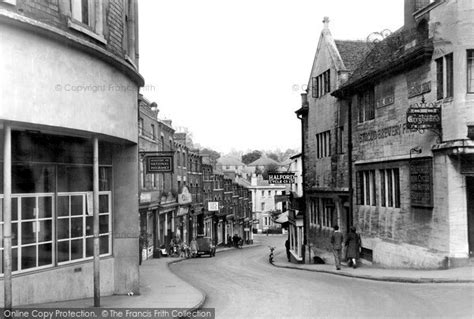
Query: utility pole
x,y
7,216
96,222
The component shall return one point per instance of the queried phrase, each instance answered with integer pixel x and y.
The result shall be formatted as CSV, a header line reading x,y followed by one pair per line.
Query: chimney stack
x,y
411,6
304,99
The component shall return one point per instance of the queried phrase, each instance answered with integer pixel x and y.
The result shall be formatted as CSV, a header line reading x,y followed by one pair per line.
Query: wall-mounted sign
x,y
159,163
182,211
424,116
421,182
185,196
213,206
281,178
145,197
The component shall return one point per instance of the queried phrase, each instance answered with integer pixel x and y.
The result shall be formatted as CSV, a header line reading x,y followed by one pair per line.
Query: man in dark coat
x,y
353,244
287,246
235,239
336,241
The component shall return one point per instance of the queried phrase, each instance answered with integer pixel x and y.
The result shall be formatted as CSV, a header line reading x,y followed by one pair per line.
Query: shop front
x,y
52,210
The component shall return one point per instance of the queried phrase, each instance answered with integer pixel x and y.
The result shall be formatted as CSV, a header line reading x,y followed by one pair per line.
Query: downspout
x,y
350,216
301,114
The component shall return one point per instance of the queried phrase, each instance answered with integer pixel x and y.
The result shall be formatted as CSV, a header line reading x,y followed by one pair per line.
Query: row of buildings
x,y
77,203
194,198
388,129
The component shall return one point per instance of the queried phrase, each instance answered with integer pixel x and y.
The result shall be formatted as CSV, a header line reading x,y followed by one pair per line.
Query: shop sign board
x,y
281,178
424,116
185,197
182,211
145,197
421,182
159,163
213,206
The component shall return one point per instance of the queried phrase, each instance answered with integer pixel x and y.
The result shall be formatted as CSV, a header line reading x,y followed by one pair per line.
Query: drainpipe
x,y
7,216
350,218
302,114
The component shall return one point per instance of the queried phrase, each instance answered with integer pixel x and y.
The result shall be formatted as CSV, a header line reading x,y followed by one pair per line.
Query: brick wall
x,y
57,12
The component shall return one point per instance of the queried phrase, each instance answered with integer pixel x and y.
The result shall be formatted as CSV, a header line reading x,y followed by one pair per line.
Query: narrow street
x,y
242,284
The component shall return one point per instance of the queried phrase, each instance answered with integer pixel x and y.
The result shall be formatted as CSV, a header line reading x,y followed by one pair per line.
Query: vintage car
x,y
205,246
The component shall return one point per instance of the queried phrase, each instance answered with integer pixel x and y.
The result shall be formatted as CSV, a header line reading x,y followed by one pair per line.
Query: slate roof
x,y
352,52
263,161
229,161
399,51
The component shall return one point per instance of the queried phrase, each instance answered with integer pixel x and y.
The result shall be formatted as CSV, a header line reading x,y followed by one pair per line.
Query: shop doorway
x,y
470,213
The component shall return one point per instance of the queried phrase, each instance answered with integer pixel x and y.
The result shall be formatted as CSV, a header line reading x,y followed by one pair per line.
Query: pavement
x,y
366,270
161,288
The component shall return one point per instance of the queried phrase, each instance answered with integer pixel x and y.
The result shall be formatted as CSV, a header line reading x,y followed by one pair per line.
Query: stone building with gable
x,y
326,134
412,105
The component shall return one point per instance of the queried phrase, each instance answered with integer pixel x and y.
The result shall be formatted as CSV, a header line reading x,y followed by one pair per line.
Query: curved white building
x,y
68,123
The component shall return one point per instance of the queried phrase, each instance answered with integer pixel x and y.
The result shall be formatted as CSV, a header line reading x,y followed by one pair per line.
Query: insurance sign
x,y
159,163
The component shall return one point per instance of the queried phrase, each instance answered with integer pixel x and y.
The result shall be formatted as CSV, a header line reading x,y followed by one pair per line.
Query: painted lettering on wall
x,y
384,132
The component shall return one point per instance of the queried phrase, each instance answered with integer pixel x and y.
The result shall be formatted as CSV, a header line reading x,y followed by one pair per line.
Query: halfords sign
x,y
281,178
424,116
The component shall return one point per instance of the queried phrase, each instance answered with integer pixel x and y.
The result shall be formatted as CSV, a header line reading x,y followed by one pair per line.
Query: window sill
x,y
448,100
81,28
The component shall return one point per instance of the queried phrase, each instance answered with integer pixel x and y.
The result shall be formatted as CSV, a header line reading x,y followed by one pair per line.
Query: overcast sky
x,y
232,71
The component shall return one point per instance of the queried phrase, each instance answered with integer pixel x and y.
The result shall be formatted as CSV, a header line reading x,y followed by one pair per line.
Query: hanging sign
x,y
213,206
424,116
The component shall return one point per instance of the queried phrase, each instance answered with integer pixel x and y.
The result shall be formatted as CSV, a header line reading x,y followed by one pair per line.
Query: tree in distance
x,y
251,157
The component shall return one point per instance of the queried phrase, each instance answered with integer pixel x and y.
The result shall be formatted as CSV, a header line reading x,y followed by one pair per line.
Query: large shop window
x,y
52,201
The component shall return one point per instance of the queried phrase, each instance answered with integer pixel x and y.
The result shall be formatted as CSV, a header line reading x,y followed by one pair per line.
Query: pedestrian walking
x,y
287,246
353,244
236,240
193,246
337,240
229,241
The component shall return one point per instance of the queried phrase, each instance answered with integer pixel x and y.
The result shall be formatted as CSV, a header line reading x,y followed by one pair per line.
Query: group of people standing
x,y
352,242
235,241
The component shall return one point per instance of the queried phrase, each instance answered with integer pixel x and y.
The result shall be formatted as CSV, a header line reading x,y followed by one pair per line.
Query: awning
x,y
282,218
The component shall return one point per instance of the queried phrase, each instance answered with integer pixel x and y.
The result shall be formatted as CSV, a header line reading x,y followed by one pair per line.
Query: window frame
x,y
449,75
439,78
470,70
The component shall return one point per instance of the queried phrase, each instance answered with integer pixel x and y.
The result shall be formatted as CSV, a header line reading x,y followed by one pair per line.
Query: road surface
x,y
240,283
